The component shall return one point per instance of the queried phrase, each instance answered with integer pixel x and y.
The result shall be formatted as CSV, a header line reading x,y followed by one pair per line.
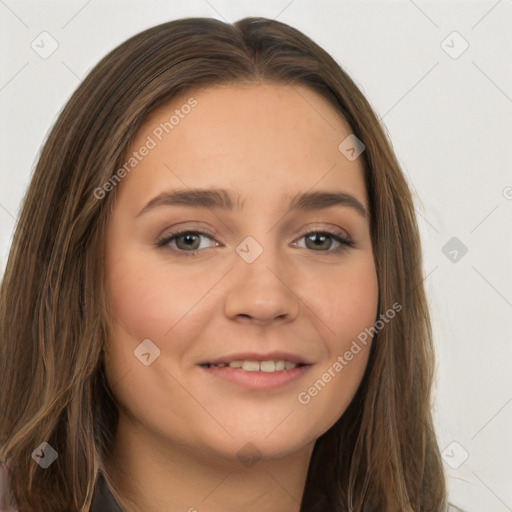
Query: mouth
x,y
257,371
248,365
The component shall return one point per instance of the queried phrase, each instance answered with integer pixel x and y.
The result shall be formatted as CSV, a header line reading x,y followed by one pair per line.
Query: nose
x,y
261,292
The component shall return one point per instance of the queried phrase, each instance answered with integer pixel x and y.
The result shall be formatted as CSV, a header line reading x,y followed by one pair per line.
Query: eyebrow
x,y
224,199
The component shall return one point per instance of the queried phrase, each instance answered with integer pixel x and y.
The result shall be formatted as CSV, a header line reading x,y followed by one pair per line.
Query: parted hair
x,y
381,455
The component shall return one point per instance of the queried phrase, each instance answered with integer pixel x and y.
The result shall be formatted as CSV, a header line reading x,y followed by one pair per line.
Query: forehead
x,y
263,140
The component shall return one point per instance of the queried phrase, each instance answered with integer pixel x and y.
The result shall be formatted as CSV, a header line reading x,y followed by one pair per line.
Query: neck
x,y
148,473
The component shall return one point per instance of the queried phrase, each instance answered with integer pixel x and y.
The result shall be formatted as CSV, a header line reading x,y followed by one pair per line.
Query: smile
x,y
257,366
265,375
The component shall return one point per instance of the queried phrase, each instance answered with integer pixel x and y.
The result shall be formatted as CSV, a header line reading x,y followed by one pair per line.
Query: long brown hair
x,y
380,455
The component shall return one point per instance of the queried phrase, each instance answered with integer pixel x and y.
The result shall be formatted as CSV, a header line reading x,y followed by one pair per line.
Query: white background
x,y
450,123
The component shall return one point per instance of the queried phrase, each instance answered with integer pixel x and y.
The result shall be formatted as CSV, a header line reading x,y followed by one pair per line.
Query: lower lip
x,y
258,380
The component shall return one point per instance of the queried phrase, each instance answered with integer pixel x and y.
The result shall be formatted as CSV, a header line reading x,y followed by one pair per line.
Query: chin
x,y
247,448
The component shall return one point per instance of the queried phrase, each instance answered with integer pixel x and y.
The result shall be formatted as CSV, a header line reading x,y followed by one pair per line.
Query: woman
x,y
213,299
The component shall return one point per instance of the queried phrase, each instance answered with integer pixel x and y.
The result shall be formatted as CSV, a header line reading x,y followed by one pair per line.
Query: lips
x,y
258,371
257,375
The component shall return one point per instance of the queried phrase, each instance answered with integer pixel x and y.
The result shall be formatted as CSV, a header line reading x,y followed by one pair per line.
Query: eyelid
x,y
332,230
339,234
165,240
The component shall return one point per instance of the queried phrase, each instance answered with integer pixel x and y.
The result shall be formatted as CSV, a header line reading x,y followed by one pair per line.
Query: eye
x,y
322,241
185,241
188,242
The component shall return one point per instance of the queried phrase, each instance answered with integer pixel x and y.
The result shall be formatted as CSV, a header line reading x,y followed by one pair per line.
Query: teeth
x,y
268,366
280,365
250,366
263,366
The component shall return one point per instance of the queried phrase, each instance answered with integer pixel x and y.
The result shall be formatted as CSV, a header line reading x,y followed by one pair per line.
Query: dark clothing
x,y
103,500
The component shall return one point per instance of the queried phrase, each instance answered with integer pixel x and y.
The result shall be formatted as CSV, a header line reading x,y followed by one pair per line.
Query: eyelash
x,y
164,241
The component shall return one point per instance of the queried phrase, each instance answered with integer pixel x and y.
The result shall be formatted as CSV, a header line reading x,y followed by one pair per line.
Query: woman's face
x,y
252,289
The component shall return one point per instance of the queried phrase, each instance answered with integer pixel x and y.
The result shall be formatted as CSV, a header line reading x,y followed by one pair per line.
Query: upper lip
x,y
253,356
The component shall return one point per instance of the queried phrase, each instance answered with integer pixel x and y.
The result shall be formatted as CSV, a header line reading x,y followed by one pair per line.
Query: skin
x,y
181,428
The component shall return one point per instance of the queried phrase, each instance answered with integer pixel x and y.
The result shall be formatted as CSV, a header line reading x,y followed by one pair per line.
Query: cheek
x,y
146,303
346,301
346,310
142,306
147,299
